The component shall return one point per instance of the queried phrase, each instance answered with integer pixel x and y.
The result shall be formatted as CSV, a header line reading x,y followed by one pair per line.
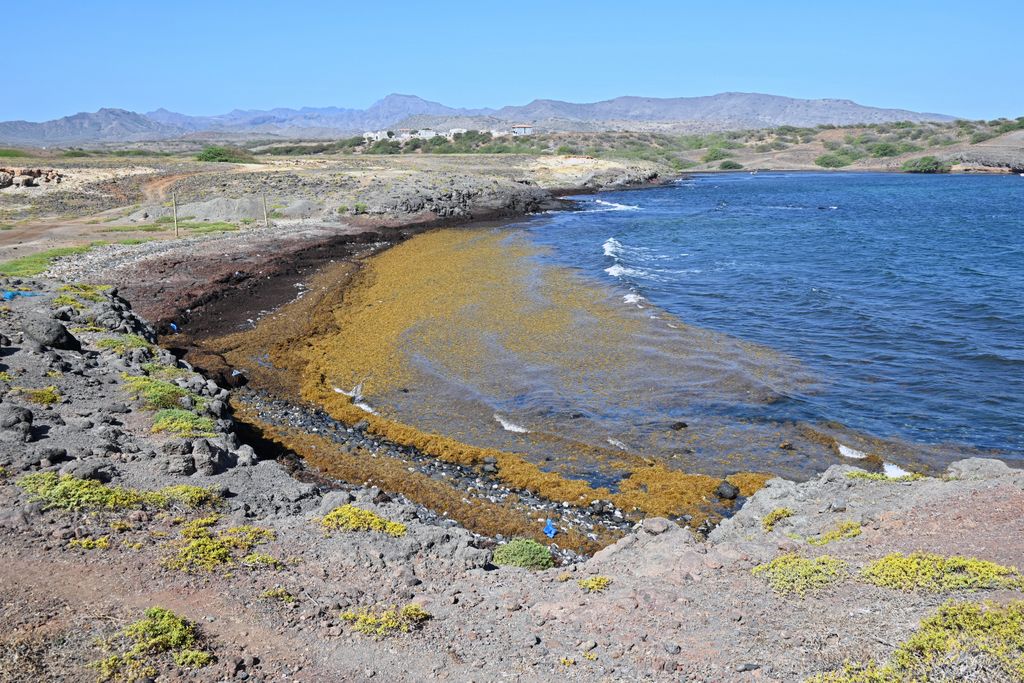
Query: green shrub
x,y
7,153
891,149
231,155
524,552
730,165
928,164
384,147
836,160
715,154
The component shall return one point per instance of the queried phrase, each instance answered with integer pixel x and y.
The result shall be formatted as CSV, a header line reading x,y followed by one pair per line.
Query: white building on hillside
x,y
522,129
426,133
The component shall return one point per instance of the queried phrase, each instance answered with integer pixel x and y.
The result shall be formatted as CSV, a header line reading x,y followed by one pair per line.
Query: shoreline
x,y
671,603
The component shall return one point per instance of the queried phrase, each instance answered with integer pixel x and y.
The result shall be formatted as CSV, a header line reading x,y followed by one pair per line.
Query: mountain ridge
x,y
721,111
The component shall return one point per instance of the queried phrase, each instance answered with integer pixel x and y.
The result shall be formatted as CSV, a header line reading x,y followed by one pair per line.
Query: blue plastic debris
x,y
174,328
9,295
550,530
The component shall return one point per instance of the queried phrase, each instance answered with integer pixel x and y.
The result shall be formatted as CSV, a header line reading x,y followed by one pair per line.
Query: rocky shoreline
x,y
128,484
675,606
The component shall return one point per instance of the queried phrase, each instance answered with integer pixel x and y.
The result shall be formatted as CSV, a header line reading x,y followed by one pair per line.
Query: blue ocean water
x,y
904,293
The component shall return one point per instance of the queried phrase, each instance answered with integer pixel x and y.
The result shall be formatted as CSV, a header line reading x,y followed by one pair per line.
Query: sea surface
x,y
902,295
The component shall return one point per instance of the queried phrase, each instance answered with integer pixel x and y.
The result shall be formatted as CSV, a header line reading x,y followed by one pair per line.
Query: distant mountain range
x,y
715,112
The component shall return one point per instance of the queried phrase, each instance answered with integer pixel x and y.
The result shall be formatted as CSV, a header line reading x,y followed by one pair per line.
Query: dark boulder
x,y
45,331
727,491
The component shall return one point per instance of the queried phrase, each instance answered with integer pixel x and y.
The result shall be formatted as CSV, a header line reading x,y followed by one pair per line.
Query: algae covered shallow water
x,y
704,325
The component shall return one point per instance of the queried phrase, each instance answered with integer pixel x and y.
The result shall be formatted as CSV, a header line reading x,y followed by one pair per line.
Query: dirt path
x,y
36,236
158,189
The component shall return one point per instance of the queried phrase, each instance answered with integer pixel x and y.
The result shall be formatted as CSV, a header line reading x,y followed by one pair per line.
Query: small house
x,y
522,129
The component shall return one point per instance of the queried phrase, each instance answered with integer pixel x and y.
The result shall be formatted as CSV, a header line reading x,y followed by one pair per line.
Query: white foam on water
x,y
612,206
894,471
509,426
618,444
619,270
848,452
633,298
612,247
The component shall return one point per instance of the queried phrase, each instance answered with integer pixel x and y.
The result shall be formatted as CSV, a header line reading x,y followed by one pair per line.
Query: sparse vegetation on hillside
x,y
7,153
843,146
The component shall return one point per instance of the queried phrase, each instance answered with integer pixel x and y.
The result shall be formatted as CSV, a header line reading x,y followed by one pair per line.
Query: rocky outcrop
x,y
28,177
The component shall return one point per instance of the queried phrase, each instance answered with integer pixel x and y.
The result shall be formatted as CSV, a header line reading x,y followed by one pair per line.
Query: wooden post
x,y
174,204
266,221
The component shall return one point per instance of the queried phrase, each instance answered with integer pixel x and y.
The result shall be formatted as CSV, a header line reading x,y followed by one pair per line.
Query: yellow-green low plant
x,y
843,531
47,396
101,543
595,584
774,517
184,423
958,642
351,518
382,623
72,493
201,548
791,573
938,573
161,632
881,476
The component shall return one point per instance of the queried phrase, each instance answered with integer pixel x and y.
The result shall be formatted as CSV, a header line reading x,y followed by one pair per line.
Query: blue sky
x,y
209,57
